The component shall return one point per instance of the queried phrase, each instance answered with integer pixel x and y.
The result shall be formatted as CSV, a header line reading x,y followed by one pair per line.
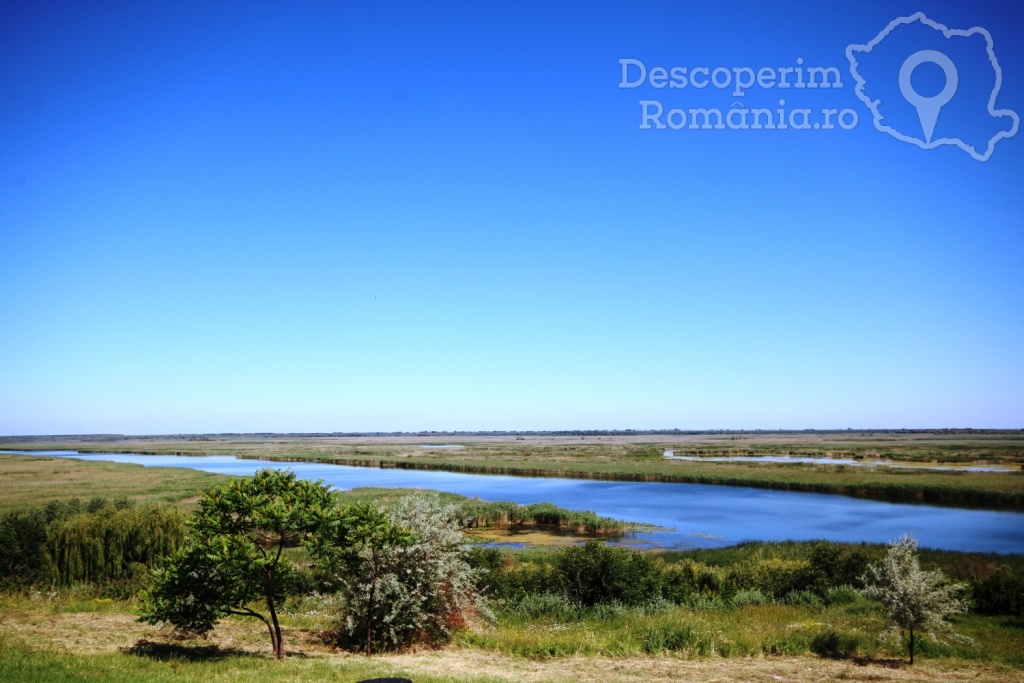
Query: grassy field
x,y
68,638
35,481
72,635
639,457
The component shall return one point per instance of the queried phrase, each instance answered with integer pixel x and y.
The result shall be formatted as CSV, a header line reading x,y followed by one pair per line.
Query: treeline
x,y
567,582
110,544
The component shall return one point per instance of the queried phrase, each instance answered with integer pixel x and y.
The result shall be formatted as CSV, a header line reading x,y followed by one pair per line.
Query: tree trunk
x,y
369,612
274,642
275,633
911,646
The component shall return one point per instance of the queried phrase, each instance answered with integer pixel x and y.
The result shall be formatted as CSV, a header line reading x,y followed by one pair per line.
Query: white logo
x,y
975,126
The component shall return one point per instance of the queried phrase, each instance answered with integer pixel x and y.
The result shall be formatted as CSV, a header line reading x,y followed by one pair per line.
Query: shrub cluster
x,y
596,573
107,543
1001,593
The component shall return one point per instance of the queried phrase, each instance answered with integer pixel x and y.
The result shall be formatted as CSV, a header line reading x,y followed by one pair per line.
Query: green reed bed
x,y
478,514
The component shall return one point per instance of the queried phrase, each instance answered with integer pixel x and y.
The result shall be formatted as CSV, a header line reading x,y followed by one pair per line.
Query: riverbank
x,y
640,458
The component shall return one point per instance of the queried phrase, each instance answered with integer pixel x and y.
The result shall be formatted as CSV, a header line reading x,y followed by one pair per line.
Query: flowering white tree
x,y
917,600
415,589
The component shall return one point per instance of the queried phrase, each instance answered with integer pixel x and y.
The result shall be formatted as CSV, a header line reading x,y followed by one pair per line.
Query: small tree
x,y
916,600
403,573
234,555
353,554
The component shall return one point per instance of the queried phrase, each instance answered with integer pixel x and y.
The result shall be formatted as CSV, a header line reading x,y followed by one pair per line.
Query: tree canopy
x,y
403,573
917,600
234,555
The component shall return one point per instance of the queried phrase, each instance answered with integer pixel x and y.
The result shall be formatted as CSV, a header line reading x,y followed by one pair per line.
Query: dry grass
x,y
667,669
532,537
115,631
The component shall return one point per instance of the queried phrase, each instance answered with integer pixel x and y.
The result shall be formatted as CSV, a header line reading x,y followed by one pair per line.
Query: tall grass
x,y
553,628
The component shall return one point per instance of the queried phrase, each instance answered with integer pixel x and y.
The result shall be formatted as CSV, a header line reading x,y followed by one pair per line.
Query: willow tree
x,y
234,556
917,600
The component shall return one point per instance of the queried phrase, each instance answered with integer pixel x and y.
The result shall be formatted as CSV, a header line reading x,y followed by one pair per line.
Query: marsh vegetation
x,y
790,604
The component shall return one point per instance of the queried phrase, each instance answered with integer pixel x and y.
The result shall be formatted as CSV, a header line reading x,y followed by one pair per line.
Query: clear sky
x,y
264,216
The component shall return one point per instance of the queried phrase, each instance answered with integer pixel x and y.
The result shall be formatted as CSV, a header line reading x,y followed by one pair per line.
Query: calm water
x,y
698,515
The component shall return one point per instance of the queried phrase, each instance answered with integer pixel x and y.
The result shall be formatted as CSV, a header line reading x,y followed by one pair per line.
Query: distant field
x,y
1003,447
34,481
639,457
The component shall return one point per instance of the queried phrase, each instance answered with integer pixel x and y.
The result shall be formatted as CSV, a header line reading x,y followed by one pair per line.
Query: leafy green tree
x,y
353,553
917,600
109,544
22,541
234,555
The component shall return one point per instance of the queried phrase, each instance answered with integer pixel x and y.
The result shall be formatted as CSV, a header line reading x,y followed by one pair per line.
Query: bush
x,y
786,644
22,538
1000,593
805,598
749,598
842,595
414,590
835,645
547,606
775,577
596,573
106,543
834,564
703,602
695,577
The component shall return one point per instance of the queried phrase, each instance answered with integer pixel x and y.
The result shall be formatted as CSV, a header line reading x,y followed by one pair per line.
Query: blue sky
x,y
348,217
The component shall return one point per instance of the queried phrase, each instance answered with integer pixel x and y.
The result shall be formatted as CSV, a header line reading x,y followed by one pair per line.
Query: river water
x,y
695,515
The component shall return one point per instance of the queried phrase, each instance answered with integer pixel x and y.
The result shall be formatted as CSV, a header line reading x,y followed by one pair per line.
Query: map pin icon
x,y
928,107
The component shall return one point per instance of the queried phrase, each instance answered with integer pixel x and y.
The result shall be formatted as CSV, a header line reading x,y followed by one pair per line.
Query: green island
x,y
757,611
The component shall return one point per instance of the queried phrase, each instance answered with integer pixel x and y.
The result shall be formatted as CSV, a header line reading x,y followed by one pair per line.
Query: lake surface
x,y
698,515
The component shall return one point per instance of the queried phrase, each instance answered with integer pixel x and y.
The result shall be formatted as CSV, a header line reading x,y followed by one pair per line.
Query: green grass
x,y
30,481
762,630
639,458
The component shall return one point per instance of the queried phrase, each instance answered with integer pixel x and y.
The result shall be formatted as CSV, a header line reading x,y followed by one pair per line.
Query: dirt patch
x,y
92,633
668,669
